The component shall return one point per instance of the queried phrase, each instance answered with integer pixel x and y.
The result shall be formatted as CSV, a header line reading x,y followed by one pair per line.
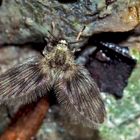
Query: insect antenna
x,y
50,41
54,38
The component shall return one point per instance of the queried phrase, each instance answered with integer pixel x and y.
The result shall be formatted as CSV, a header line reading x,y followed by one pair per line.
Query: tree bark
x,y
27,121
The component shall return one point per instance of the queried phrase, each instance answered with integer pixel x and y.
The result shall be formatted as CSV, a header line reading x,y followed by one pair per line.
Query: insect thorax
x,y
60,58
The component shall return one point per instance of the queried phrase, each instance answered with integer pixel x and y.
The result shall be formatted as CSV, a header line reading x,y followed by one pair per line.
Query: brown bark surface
x,y
26,122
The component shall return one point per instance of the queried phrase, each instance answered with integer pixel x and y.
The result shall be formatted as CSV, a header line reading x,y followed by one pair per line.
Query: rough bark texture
x,y
29,21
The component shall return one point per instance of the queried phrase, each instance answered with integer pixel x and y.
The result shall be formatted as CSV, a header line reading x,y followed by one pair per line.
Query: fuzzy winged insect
x,y
75,90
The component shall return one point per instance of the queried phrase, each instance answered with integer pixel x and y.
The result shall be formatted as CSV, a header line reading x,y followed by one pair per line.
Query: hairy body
x,y
75,90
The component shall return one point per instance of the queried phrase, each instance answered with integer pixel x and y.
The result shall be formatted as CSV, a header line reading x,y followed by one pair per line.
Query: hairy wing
x,y
24,82
80,97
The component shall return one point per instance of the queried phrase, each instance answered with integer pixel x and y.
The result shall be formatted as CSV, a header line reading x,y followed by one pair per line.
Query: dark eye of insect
x,y
75,90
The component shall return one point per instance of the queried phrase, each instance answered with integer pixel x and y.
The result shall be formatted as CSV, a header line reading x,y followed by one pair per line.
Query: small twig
x,y
80,33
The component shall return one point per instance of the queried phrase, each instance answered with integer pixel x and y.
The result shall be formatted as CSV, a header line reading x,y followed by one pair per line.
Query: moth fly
x,y
75,90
